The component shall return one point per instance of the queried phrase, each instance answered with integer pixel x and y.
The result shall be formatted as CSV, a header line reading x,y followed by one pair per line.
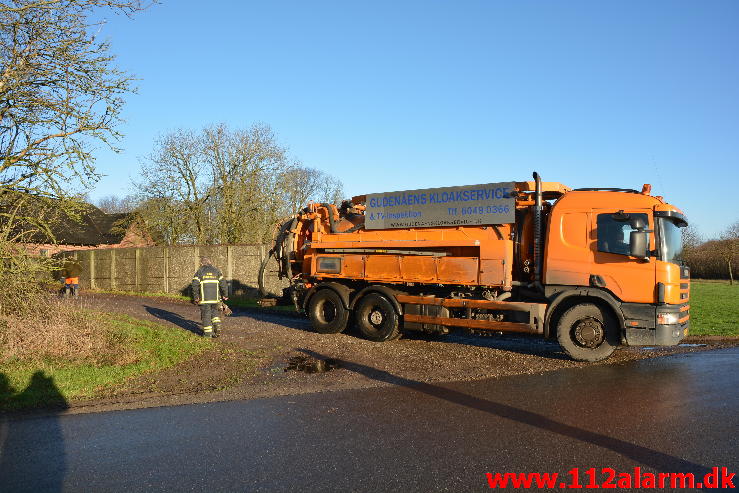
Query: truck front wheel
x,y
377,319
587,332
327,313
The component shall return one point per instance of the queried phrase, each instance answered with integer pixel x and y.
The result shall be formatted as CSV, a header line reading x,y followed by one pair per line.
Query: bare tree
x,y
162,218
60,93
301,185
60,96
177,180
225,186
729,248
330,190
112,204
247,165
691,238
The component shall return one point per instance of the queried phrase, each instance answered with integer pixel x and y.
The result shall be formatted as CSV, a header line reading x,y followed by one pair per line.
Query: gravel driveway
x,y
256,347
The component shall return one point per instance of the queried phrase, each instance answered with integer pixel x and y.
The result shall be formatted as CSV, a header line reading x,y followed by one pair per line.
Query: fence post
x,y
92,269
166,269
136,268
229,268
112,269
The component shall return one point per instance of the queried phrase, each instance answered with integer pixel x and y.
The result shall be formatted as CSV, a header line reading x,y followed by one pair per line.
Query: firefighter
x,y
208,289
70,276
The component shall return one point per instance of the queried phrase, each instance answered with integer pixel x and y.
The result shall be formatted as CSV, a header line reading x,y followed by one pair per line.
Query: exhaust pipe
x,y
538,257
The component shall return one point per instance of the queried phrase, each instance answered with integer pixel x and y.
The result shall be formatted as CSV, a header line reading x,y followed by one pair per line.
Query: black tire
x,y
377,319
588,332
327,312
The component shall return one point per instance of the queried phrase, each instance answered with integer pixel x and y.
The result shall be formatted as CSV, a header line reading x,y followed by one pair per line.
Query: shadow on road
x,y
175,318
32,451
520,344
287,320
649,457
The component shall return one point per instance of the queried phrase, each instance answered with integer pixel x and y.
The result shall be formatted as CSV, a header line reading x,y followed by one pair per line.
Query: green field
x,y
714,308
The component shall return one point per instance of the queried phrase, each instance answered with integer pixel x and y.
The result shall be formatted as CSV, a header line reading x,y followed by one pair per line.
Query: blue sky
x,y
403,95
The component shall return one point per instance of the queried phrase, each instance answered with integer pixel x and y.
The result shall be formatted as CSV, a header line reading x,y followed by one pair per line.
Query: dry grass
x,y
56,330
36,326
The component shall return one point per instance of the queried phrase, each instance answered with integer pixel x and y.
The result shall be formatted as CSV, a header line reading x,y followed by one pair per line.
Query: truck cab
x,y
622,248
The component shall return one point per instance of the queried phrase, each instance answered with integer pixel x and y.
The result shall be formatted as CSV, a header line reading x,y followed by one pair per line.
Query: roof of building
x,y
94,228
90,227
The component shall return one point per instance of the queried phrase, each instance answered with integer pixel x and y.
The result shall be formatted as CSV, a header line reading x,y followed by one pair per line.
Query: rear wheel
x,y
588,332
377,319
327,313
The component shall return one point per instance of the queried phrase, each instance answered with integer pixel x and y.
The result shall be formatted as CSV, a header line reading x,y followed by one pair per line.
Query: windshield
x,y
671,241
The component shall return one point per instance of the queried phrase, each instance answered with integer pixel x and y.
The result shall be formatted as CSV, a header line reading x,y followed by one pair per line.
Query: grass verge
x,y
53,382
714,308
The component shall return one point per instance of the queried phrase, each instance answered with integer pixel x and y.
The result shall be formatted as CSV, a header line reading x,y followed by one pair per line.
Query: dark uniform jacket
x,y
71,268
208,285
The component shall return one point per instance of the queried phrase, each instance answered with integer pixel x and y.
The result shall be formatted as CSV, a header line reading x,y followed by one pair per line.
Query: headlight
x,y
667,318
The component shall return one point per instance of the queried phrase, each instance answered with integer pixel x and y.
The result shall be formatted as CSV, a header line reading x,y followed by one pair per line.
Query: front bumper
x,y
661,335
647,332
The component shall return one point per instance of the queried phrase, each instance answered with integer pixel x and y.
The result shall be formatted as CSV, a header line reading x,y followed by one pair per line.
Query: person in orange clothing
x,y
70,273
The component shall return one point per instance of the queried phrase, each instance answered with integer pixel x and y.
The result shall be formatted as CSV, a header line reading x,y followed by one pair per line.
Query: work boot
x,y
216,330
208,332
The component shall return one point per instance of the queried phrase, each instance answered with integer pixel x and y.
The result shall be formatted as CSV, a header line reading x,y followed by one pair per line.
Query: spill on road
x,y
311,365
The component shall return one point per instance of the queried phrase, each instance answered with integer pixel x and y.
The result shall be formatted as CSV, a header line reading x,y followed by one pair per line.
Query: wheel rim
x,y
589,332
327,311
376,317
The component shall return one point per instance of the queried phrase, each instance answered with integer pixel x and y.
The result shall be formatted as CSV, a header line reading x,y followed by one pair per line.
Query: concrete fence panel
x,y
170,269
126,269
152,270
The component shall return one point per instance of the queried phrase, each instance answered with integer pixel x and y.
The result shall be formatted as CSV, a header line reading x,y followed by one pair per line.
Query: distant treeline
x,y
715,259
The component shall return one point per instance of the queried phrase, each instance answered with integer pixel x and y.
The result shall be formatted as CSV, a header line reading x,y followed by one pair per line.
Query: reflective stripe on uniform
x,y
216,320
209,328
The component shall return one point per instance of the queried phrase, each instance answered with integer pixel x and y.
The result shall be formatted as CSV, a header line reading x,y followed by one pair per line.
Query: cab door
x,y
630,279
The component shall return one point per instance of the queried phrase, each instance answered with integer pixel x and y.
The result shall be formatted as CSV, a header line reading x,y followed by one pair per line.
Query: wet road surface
x,y
671,414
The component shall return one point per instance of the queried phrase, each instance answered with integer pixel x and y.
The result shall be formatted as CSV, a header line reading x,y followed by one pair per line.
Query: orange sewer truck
x,y
591,267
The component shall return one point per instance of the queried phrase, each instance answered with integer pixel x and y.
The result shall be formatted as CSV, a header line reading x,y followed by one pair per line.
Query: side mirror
x,y
637,222
638,244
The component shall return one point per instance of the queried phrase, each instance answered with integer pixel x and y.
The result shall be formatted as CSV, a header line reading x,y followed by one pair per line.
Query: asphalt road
x,y
671,414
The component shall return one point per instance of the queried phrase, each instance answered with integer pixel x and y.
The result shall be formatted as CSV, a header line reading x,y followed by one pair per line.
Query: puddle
x,y
657,348
311,365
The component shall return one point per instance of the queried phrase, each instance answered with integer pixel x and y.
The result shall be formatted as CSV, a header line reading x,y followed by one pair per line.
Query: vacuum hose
x,y
281,251
331,221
